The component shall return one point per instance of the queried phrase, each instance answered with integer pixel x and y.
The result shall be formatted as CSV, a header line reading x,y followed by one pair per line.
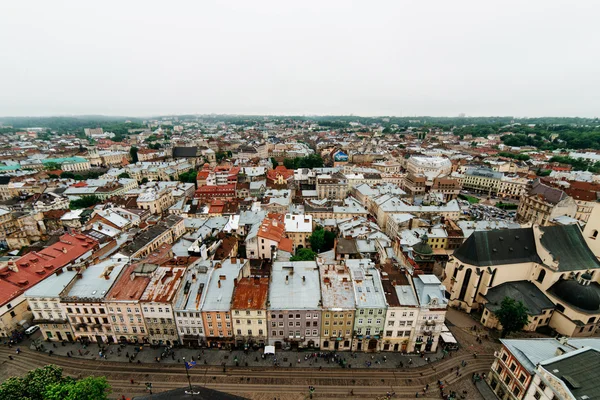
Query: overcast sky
x,y
140,58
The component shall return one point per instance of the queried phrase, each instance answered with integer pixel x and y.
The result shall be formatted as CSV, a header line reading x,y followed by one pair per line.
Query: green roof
x,y
567,245
64,160
579,372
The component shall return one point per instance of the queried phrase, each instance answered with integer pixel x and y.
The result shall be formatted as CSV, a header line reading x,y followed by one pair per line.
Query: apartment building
x,y
298,228
156,201
332,187
83,302
337,317
157,303
216,308
166,231
30,269
44,301
249,311
371,305
543,203
188,303
294,305
123,303
432,313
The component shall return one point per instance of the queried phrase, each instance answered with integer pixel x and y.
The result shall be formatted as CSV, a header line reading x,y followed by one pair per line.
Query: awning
x,y
447,337
269,349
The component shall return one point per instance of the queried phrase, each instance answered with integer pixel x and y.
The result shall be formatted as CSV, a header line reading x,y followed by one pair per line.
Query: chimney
x,y
233,260
303,279
219,283
287,279
234,281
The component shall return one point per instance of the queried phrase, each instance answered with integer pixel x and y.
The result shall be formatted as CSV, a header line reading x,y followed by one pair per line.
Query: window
x,y
541,276
537,395
542,386
504,357
522,378
513,367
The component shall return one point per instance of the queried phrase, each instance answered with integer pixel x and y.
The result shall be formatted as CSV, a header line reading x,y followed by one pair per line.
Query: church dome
x,y
579,293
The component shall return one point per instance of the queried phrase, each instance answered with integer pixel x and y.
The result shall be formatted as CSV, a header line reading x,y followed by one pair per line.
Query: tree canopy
x,y
48,383
512,315
311,161
321,240
188,177
124,175
133,152
304,255
84,202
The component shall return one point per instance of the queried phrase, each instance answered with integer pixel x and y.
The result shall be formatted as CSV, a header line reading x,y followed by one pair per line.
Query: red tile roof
x,y
250,294
34,267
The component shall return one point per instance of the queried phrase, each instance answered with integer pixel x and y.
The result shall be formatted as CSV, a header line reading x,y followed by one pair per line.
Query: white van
x,y
32,329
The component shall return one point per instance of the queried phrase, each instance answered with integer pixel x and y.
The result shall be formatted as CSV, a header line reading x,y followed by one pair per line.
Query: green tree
x,y
90,388
317,239
274,162
304,255
52,166
144,180
512,315
133,152
48,383
321,240
84,202
188,177
124,175
67,175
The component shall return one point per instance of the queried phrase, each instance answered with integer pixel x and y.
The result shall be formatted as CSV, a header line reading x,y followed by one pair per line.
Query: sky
x,y
371,58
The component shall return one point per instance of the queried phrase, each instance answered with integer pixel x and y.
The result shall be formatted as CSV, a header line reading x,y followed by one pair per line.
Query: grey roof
x,y
429,289
192,291
53,285
530,352
578,370
498,247
297,293
96,280
524,291
184,151
550,194
221,284
368,289
346,246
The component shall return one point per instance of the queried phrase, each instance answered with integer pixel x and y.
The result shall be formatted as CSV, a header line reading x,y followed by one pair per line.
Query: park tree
x,y
304,255
124,175
512,315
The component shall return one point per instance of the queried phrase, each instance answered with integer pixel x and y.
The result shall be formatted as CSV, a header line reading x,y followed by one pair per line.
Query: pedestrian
x,y
131,380
127,354
10,358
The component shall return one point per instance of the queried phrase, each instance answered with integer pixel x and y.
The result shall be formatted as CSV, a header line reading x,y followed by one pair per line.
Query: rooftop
x,y
294,286
94,282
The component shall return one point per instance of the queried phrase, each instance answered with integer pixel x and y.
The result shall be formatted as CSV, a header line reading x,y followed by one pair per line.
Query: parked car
x,y
32,329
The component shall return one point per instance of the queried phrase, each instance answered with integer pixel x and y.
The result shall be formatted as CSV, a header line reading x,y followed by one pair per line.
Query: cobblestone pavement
x,y
252,358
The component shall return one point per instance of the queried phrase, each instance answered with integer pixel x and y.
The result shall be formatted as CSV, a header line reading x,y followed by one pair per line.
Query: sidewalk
x,y
239,358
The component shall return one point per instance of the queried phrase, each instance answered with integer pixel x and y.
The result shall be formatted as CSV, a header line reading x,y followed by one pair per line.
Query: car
x,y
32,329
